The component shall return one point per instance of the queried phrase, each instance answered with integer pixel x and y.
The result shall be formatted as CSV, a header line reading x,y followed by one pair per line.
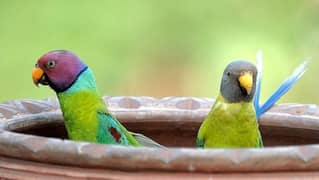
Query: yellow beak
x,y
246,81
37,75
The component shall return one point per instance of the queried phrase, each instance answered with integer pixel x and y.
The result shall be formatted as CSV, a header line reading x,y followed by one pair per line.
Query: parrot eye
x,y
36,65
50,64
228,73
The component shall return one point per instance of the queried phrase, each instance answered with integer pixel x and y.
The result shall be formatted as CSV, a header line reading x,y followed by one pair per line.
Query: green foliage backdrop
x,y
160,48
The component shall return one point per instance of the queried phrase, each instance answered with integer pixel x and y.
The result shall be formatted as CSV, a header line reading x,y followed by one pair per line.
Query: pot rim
x,y
83,154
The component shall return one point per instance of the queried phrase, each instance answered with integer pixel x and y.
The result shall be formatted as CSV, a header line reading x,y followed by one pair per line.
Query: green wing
x,y
260,141
110,131
200,142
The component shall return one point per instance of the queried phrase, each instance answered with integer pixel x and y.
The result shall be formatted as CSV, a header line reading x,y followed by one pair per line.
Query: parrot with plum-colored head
x,y
86,116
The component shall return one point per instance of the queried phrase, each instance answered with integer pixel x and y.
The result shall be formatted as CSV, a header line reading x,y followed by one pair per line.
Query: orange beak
x,y
37,75
246,81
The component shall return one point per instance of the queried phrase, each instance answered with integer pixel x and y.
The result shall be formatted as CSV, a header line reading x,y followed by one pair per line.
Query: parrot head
x,y
239,82
59,69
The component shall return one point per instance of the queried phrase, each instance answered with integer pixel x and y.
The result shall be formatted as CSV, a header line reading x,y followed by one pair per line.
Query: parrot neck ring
x,y
39,77
246,81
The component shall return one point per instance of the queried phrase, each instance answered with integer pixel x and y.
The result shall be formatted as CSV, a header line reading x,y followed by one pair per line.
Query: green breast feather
x,y
86,116
230,125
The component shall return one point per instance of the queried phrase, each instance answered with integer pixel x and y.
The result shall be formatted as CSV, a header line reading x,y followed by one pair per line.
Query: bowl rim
x,y
83,154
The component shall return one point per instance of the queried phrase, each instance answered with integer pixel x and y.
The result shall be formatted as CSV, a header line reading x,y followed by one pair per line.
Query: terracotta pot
x,y
32,143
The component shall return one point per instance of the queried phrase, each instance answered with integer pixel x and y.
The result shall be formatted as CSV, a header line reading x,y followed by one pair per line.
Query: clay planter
x,y
32,143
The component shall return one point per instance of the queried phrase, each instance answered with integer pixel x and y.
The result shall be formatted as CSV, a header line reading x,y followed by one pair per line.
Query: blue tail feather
x,y
258,83
284,87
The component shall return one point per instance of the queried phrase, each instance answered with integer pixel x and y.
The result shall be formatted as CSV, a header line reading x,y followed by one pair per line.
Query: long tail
x,y
283,89
146,141
259,60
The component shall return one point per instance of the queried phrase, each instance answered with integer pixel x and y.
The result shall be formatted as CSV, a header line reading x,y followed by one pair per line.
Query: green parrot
x,y
232,121
85,114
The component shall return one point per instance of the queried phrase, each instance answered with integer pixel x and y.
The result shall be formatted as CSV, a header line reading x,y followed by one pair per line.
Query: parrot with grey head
x,y
233,120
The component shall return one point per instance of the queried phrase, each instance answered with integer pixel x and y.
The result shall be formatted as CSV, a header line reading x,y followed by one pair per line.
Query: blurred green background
x,y
160,48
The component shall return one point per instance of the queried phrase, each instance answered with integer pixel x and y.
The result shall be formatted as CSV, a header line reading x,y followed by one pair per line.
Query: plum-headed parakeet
x,y
232,121
85,114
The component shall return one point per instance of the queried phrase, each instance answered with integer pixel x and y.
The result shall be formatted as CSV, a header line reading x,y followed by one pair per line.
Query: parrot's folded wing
x,y
260,141
200,142
110,125
145,141
283,88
